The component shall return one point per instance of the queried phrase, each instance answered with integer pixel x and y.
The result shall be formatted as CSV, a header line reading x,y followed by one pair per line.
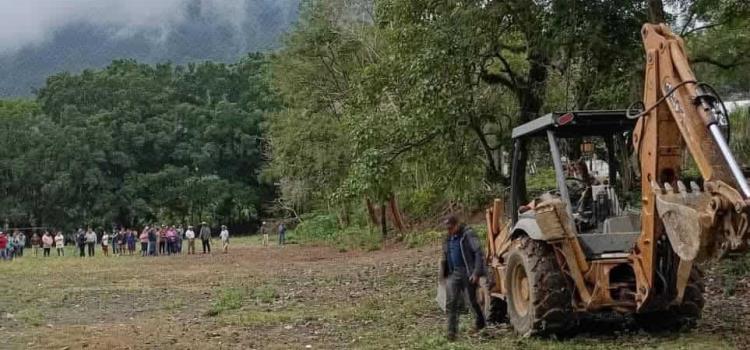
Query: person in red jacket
x,y
3,245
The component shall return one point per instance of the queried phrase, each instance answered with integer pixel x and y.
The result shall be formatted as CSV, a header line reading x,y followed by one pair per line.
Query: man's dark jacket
x,y
471,252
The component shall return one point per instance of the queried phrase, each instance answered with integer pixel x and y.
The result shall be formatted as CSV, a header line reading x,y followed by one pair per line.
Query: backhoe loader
x,y
580,247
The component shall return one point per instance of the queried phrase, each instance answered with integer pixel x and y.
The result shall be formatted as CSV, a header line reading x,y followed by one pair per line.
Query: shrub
x,y
230,299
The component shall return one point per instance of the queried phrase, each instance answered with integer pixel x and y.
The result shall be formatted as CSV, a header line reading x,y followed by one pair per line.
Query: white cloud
x,y
29,22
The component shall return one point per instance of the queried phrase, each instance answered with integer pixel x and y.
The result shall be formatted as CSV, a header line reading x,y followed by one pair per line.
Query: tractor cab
x,y
581,158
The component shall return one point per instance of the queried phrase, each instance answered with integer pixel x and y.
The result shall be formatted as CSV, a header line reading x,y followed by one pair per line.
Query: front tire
x,y
539,298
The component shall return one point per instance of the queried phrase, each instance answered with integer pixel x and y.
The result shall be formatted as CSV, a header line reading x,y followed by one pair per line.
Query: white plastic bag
x,y
442,297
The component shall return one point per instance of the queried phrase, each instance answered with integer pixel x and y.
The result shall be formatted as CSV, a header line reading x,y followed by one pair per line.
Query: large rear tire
x,y
683,317
538,296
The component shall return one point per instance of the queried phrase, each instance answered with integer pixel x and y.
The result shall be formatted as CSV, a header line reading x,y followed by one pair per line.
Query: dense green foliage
x,y
319,227
134,143
416,99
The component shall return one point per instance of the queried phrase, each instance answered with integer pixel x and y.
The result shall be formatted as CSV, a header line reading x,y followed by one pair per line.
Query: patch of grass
x,y
363,238
173,304
423,238
229,299
323,228
265,294
732,270
30,317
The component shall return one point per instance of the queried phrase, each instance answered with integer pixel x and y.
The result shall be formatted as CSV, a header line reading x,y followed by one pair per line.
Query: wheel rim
x,y
520,290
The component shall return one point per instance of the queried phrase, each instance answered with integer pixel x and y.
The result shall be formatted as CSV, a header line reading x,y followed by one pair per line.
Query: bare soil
x,y
282,298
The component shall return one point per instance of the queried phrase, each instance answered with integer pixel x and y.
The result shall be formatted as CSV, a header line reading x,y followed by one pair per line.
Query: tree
x,y
136,143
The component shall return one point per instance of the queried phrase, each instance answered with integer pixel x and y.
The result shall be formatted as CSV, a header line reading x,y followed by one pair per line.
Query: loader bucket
x,y
687,218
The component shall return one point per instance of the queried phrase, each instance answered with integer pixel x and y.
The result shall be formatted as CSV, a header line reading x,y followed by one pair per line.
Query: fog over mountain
x,y
41,37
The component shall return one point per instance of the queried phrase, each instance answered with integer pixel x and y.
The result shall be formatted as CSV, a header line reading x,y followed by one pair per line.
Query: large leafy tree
x,y
136,143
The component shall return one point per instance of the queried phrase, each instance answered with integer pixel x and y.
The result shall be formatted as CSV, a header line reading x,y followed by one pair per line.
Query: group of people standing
x,y
13,245
154,241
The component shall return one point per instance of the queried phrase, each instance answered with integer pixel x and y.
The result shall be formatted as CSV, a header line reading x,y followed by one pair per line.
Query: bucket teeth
x,y
669,188
694,187
656,188
681,187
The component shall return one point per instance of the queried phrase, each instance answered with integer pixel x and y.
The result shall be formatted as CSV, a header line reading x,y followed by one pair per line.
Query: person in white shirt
x,y
224,235
60,244
90,241
190,235
264,232
105,243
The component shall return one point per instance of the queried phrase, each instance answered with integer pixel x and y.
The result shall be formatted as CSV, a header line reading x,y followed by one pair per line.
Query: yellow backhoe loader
x,y
580,248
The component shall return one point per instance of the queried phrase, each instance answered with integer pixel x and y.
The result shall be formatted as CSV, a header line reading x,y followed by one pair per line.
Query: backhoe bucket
x,y
687,218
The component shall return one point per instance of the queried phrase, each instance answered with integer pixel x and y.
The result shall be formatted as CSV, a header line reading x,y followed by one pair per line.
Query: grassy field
x,y
294,297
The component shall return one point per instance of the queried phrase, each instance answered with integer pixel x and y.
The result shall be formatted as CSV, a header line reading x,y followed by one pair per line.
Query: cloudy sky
x,y
31,22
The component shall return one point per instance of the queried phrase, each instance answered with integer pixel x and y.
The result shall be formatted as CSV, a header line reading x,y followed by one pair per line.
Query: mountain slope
x,y
200,34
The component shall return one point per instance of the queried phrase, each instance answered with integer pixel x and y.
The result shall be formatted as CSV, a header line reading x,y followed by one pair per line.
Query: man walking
x,y
463,263
282,234
206,237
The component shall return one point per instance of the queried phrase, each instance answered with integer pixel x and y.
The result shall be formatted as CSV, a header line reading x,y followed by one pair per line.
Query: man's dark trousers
x,y
456,284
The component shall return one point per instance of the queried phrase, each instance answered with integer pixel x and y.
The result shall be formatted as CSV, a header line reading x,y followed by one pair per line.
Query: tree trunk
x,y
371,212
656,12
344,216
383,219
398,221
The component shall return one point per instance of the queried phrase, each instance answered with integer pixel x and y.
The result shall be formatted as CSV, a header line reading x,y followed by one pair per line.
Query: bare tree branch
x,y
690,17
411,145
703,27
736,62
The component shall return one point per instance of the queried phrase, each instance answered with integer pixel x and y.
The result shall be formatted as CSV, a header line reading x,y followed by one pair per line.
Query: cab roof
x,y
583,123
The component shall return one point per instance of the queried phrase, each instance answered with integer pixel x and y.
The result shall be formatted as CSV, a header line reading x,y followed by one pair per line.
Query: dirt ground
x,y
295,297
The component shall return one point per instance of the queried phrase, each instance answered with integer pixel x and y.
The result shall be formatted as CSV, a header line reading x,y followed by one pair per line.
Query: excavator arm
x,y
681,113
